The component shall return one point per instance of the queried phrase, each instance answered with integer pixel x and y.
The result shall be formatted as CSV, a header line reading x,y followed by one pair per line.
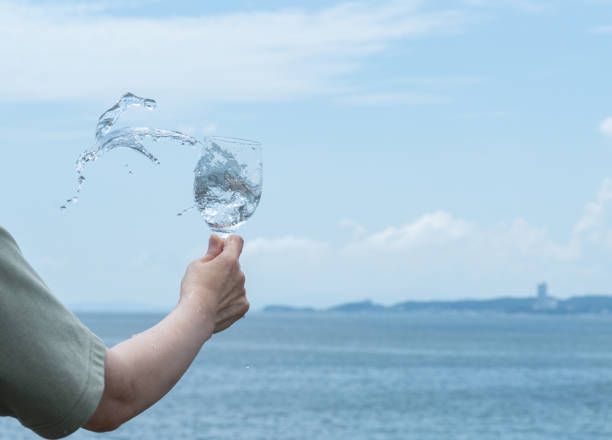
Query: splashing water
x,y
227,184
108,139
228,176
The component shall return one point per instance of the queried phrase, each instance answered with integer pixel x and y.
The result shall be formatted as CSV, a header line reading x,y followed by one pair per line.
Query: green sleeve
x,y
51,365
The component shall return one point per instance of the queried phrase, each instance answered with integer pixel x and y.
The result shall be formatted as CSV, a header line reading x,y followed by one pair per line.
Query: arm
x,y
141,370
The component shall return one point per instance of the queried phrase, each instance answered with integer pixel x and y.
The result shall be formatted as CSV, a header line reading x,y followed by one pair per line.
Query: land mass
x,y
589,304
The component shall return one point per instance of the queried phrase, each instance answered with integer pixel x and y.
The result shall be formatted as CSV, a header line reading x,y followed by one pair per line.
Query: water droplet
x,y
185,211
150,103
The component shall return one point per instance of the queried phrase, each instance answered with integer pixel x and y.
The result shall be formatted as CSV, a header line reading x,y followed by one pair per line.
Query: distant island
x,y
542,303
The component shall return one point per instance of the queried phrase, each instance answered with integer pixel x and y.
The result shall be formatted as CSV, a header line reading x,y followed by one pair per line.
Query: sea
x,y
315,376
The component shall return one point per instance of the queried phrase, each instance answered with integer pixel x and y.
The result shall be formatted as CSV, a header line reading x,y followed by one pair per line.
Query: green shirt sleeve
x,y
51,365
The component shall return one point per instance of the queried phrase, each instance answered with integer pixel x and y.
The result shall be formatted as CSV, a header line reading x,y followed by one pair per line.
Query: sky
x,y
413,150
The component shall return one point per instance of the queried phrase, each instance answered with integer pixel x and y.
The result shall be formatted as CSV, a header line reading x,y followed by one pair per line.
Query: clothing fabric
x,y
51,365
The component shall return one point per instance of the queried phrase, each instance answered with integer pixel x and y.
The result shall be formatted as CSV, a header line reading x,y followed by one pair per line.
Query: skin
x,y
141,370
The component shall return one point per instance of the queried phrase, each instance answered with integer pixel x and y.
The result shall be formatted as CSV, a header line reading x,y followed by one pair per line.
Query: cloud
x,y
594,211
595,225
234,56
434,256
433,229
442,232
606,126
523,239
284,245
438,232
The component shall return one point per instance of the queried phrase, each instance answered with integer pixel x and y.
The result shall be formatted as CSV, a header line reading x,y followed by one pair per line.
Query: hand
x,y
216,283
136,375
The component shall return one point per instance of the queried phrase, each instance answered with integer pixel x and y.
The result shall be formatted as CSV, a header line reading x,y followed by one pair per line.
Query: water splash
x,y
108,139
108,119
228,176
228,182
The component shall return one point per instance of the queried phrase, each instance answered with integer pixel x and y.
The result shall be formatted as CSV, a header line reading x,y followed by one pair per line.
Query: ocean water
x,y
410,376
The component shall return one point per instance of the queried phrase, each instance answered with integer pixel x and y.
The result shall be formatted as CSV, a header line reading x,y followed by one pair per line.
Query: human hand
x,y
216,283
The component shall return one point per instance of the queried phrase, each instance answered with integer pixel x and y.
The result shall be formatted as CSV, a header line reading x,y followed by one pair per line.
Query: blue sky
x,y
412,150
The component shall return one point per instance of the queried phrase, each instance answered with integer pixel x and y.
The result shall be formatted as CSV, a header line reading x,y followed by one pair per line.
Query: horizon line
x,y
136,308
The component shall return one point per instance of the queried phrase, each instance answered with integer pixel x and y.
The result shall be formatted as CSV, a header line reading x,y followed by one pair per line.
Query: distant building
x,y
543,301
542,290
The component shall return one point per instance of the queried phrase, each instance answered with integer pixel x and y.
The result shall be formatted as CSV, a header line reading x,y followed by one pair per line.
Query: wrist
x,y
200,315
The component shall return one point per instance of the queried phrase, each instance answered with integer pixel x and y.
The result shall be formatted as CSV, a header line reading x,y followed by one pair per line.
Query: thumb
x,y
215,247
233,246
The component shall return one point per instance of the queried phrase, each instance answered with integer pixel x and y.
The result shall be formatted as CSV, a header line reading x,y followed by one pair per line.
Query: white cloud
x,y
438,232
441,232
284,245
435,256
595,226
606,126
528,240
234,56
594,211
429,230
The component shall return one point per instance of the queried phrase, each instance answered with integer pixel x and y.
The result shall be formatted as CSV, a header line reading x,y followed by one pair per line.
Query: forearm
x,y
142,369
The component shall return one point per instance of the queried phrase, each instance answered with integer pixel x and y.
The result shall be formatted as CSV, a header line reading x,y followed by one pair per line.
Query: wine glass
x,y
228,182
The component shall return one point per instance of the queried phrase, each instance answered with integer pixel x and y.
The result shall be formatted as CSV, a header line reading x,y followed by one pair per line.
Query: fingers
x,y
235,293
233,246
240,281
233,314
215,247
